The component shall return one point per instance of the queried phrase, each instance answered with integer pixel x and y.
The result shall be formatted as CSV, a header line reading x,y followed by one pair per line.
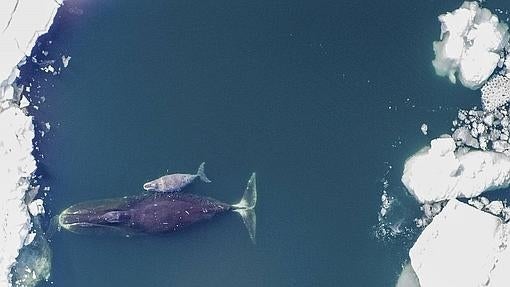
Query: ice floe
x,y
460,247
36,207
65,60
470,46
441,172
21,23
424,129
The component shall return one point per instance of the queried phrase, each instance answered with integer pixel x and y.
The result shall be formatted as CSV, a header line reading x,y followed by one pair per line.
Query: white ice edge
x,y
21,23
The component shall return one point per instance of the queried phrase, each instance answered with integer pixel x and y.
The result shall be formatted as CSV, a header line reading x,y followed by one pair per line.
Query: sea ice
x,y
21,23
408,277
65,60
496,207
24,103
470,44
48,69
430,210
36,207
466,245
460,248
16,167
424,129
439,172
496,92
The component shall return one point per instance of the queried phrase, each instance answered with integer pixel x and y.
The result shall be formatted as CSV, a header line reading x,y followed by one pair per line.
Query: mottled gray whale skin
x,y
155,213
175,182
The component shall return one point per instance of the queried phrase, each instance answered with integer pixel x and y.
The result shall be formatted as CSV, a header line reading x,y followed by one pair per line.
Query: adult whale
x,y
155,213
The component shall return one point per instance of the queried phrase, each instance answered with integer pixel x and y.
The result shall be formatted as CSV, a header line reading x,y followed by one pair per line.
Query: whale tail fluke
x,y
246,207
201,173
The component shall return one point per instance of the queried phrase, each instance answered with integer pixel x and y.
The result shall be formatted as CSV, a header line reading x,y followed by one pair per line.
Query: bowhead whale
x,y
155,213
175,182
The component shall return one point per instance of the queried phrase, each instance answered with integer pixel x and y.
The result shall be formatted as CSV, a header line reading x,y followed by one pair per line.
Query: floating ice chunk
x,y
438,173
48,69
463,135
30,238
386,202
488,119
24,103
424,128
36,207
459,248
65,60
496,207
470,44
463,246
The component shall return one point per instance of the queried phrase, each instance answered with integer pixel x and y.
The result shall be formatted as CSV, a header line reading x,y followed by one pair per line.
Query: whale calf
x,y
155,213
175,182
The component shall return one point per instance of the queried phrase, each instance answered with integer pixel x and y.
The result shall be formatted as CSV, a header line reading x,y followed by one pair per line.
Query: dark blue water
x,y
317,97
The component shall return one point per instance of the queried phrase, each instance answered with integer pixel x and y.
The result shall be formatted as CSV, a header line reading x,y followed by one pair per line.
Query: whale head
x,y
100,216
154,185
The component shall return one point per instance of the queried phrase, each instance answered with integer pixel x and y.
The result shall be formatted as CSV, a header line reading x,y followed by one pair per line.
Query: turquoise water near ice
x,y
317,97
